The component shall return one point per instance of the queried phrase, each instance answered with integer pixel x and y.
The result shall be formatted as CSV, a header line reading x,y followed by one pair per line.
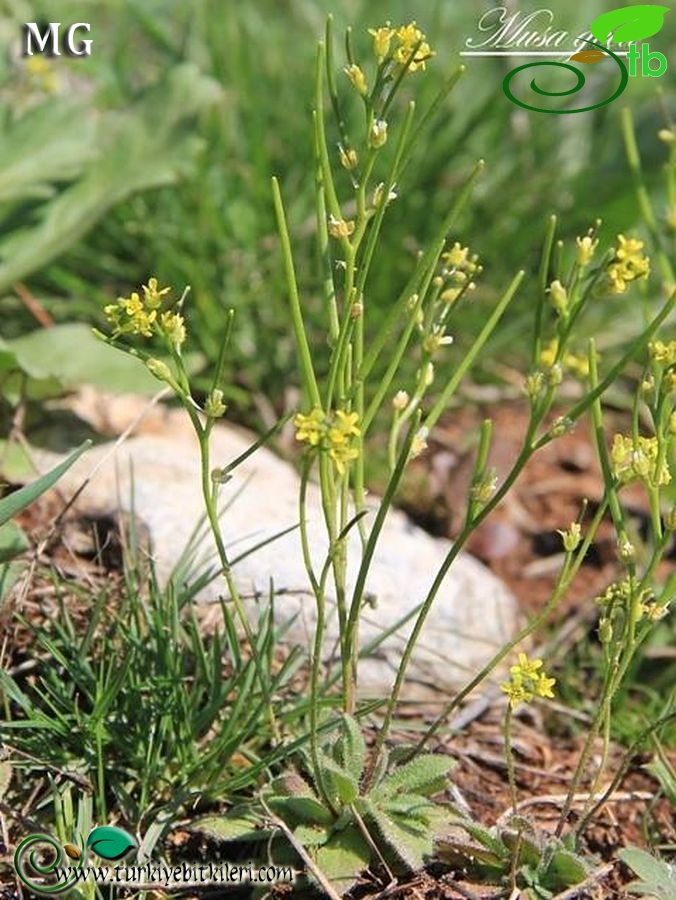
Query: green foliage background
x,y
154,156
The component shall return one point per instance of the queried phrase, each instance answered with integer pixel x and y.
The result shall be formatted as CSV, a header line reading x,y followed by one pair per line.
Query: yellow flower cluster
x,y
401,44
459,260
332,433
663,353
138,314
639,459
528,680
459,266
629,264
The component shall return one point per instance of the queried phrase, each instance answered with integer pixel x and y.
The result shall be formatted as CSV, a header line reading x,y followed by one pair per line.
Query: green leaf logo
x,y
631,23
110,842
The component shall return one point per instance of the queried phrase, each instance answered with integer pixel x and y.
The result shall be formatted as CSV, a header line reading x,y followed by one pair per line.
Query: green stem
x,y
307,368
468,360
509,759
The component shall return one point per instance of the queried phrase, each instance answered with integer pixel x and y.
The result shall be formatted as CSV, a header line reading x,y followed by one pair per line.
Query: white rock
x,y
473,613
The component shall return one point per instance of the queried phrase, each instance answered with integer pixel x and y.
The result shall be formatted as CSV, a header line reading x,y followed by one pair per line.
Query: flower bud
x,y
400,401
534,385
626,550
378,134
358,79
572,537
348,158
159,369
555,375
586,248
559,297
605,631
562,425
214,407
379,195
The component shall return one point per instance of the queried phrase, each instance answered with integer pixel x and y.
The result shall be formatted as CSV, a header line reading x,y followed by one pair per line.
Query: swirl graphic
x,y
26,856
624,79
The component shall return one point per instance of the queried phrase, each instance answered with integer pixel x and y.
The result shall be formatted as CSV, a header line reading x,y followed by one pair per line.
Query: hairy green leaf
x,y
426,774
343,858
300,810
565,870
657,877
409,841
350,748
233,826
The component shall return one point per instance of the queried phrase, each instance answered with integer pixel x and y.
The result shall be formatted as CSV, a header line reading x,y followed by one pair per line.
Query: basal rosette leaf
x,y
426,774
350,748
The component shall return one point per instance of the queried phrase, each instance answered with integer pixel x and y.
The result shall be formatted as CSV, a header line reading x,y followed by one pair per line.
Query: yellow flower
x,y
345,426
331,434
358,79
382,38
663,353
639,459
548,354
572,362
136,314
310,428
586,247
544,686
138,320
408,38
516,693
456,257
527,681
526,668
459,266
42,74
339,228
342,454
173,326
578,365
628,265
340,436
152,295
